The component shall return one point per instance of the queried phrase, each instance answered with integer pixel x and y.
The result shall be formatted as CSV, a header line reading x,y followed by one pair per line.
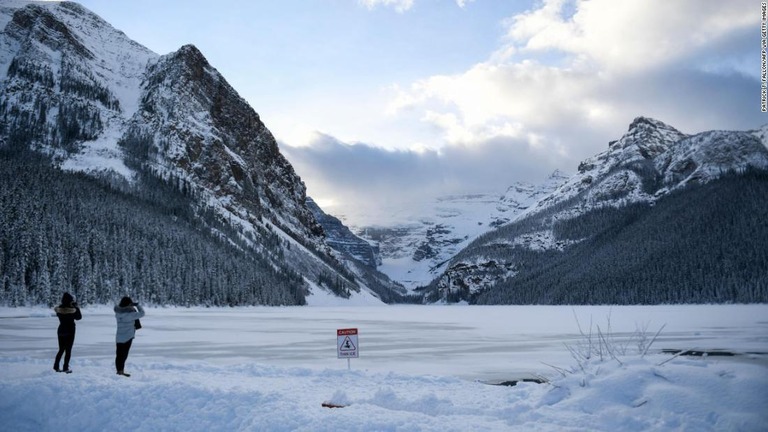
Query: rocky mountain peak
x,y
619,207
192,52
198,127
652,159
649,137
187,60
35,22
642,122
762,134
76,89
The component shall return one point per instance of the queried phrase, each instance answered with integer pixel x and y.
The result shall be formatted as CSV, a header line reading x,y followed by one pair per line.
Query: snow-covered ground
x,y
421,368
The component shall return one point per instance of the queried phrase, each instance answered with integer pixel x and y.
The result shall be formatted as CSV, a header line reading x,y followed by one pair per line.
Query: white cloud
x,y
402,5
577,67
399,5
568,77
369,184
630,34
525,91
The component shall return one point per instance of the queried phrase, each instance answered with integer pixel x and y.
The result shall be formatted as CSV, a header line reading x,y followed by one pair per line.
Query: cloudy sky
x,y
381,104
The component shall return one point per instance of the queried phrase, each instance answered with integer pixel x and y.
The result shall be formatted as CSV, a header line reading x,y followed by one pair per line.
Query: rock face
x,y
82,93
601,217
341,238
192,125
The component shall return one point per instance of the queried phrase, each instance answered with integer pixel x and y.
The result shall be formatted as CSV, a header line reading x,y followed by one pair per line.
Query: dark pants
x,y
65,347
121,354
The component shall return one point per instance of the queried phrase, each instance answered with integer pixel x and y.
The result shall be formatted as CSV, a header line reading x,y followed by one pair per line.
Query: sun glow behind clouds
x,y
292,133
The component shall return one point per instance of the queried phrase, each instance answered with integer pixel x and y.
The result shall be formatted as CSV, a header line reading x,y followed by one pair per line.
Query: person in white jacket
x,y
126,313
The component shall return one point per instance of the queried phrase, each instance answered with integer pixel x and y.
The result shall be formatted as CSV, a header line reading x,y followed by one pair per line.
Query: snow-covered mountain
x,y
653,159
415,252
81,92
657,206
341,238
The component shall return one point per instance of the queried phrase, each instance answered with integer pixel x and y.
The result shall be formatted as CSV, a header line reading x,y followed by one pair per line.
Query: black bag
x,y
137,324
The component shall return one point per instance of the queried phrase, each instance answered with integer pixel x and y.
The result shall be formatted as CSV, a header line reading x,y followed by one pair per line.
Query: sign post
x,y
346,344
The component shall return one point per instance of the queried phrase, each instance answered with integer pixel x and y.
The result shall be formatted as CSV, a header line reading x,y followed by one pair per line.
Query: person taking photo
x,y
127,314
68,312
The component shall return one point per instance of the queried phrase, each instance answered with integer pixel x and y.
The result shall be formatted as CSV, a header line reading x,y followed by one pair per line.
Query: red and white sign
x,y
346,343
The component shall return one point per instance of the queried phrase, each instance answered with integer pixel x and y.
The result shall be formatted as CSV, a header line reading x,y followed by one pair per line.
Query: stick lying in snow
x,y
674,356
332,405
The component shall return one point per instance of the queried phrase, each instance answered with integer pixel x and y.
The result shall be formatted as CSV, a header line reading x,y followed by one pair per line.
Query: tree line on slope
x,y
64,231
703,244
33,112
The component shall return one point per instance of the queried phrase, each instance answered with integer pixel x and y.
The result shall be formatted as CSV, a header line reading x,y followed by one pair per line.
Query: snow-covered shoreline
x,y
420,369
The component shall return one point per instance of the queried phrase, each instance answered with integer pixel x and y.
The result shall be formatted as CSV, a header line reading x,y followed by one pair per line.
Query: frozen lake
x,y
491,343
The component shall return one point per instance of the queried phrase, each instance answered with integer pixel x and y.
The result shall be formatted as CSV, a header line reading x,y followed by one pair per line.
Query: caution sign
x,y
346,343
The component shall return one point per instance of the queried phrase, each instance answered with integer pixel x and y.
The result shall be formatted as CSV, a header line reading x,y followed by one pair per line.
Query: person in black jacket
x,y
67,312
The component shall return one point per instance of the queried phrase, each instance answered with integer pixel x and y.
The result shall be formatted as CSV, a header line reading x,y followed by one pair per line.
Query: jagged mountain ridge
x,y
206,135
414,253
84,94
653,168
651,160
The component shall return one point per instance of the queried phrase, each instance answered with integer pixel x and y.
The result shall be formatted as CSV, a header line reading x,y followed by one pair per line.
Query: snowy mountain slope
x,y
360,256
341,238
83,93
762,134
74,71
192,125
651,160
415,253
614,197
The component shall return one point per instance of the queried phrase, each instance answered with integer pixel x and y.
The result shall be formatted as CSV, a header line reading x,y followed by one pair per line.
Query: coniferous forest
x,y
62,231
703,244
